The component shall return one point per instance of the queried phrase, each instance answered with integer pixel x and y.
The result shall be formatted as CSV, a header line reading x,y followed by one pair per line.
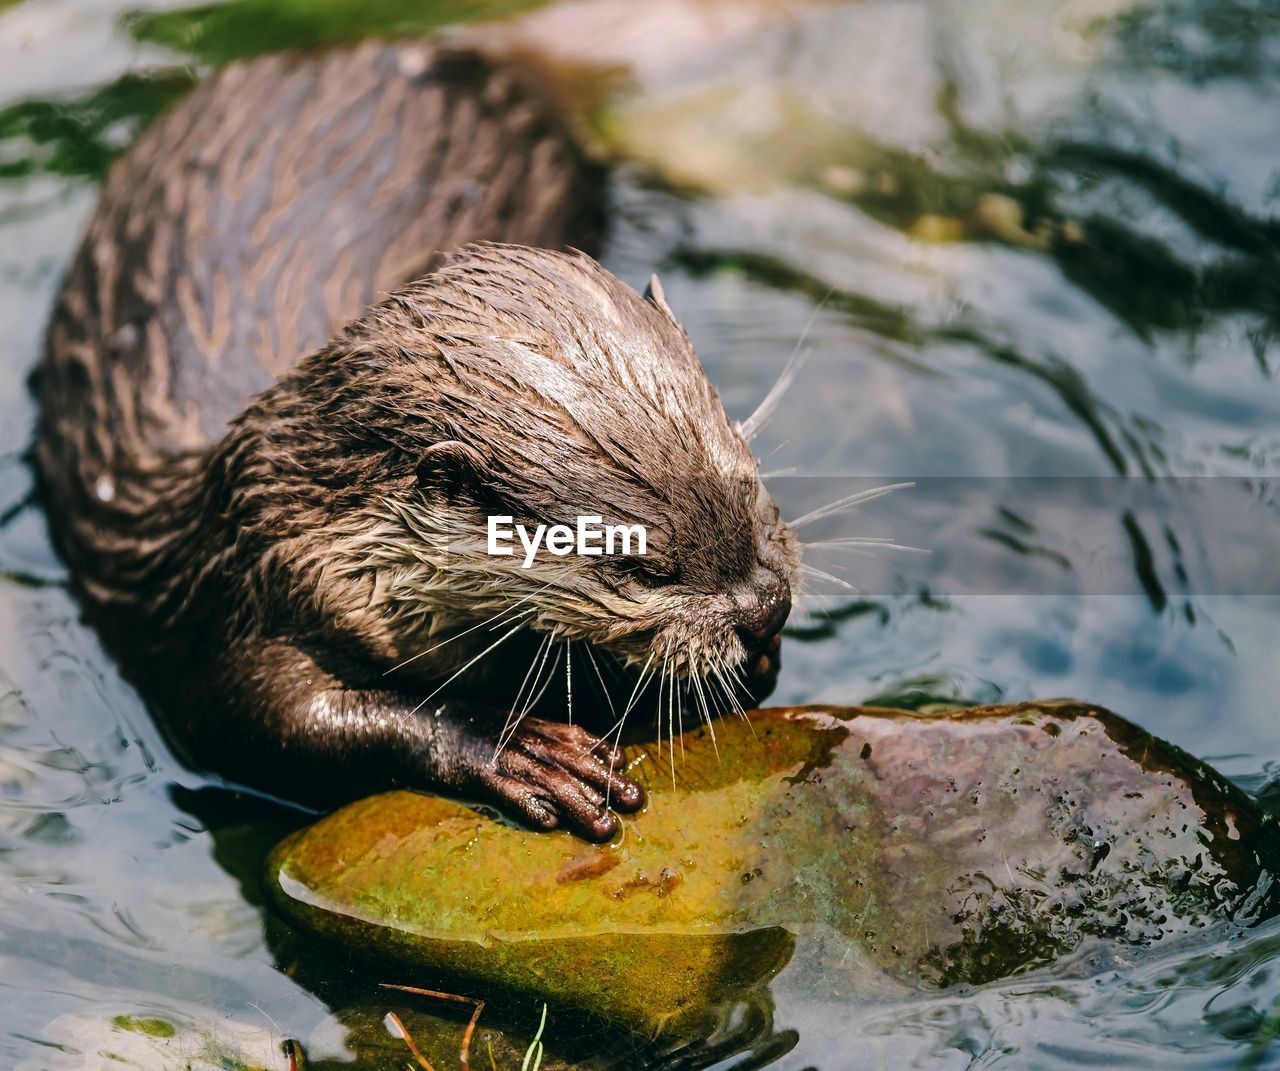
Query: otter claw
x,y
554,774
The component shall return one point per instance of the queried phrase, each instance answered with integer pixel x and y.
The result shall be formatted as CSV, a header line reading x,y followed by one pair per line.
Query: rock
x,y
882,849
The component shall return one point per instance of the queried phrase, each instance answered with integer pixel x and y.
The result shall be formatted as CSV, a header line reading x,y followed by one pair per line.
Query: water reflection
x,y
1198,40
80,136
1028,239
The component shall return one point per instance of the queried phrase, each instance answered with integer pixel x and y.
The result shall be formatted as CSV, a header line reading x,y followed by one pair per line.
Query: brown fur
x,y
262,582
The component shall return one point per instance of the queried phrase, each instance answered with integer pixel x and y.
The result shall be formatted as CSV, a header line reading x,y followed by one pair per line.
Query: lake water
x,y
1032,252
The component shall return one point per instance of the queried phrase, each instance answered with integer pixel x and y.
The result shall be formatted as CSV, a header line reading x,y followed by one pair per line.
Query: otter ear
x,y
445,468
654,295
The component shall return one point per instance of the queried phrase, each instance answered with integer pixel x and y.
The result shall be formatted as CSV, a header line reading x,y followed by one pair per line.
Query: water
x,y
1019,239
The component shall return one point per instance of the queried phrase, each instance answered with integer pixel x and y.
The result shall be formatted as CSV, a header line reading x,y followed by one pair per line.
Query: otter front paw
x,y
554,774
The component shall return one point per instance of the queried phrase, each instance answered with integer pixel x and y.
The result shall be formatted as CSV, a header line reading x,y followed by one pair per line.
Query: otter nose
x,y
763,614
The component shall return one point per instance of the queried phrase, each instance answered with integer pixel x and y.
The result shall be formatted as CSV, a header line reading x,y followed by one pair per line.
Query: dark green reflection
x,y
219,33
1199,40
80,136
1140,278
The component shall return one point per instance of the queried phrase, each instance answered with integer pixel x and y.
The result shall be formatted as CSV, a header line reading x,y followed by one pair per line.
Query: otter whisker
x,y
857,541
701,697
658,713
730,700
551,673
454,676
841,504
668,679
740,686
819,574
675,705
516,704
739,681
856,545
757,420
800,597
752,426
774,450
543,644
635,695
614,665
718,678
490,620
661,689
615,730
730,671
568,677
678,690
513,718
608,696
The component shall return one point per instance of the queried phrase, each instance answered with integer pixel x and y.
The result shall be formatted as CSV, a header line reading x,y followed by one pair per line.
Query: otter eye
x,y
649,572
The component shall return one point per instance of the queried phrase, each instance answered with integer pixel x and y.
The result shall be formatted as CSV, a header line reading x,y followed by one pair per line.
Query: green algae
x,y
898,849
155,1028
93,1041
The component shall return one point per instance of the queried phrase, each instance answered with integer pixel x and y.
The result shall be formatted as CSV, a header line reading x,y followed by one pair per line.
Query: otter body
x,y
270,493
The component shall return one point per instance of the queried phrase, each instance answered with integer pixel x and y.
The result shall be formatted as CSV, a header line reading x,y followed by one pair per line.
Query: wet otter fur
x,y
273,504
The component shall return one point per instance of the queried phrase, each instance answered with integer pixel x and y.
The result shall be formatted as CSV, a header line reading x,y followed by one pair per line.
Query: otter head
x,y
534,386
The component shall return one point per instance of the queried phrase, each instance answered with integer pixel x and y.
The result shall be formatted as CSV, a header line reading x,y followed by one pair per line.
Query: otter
x,y
332,311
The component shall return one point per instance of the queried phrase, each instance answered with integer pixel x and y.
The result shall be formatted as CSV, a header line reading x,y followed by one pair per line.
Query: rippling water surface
x,y
1020,241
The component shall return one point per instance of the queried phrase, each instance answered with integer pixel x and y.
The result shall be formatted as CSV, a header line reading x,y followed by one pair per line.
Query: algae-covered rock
x,y
905,849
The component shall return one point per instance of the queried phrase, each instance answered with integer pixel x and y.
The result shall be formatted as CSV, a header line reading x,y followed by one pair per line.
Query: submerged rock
x,y
898,849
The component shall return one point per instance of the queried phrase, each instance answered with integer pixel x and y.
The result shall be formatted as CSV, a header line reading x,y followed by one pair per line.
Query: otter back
x,y
251,221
